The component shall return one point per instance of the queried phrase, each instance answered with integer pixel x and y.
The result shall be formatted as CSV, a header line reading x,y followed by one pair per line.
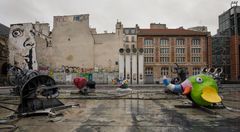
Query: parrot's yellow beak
x,y
210,94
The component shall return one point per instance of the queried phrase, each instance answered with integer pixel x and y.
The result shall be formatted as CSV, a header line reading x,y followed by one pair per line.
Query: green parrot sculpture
x,y
201,89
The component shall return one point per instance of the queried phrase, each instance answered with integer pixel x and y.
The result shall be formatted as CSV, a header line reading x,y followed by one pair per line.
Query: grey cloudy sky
x,y
105,13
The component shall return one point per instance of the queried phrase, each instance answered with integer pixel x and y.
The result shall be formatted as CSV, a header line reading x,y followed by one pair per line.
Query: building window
x,y
148,50
180,50
180,59
196,71
133,31
164,42
133,39
196,59
127,39
76,18
164,71
148,71
148,42
126,31
133,46
148,59
164,50
180,42
196,42
196,50
164,59
49,43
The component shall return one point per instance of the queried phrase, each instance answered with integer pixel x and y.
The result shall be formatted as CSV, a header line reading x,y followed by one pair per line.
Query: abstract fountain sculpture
x,y
201,89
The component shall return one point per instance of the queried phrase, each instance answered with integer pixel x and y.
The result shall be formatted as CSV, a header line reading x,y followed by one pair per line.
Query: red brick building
x,y
163,47
235,59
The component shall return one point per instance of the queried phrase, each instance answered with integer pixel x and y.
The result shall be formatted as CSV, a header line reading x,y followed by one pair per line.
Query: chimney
x,y
158,26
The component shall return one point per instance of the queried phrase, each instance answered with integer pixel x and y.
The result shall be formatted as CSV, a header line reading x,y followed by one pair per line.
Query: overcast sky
x,y
105,13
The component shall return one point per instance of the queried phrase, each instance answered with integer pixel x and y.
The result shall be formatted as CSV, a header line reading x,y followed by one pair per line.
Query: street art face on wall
x,y
22,46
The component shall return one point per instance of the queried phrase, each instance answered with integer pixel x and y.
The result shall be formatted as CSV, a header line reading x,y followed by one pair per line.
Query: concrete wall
x,y
44,53
72,42
106,50
43,40
104,78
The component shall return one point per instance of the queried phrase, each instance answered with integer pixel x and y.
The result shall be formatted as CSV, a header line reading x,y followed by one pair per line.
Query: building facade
x,y
130,37
71,47
221,54
75,44
228,38
163,47
130,58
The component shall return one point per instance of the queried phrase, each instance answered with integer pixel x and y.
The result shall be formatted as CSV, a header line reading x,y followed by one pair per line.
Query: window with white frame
x,y
179,42
148,71
164,42
180,50
164,50
196,71
148,50
148,42
164,71
148,59
196,59
196,50
180,59
164,59
196,42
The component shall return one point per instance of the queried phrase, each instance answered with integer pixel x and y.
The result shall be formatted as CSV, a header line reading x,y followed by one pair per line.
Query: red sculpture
x,y
80,82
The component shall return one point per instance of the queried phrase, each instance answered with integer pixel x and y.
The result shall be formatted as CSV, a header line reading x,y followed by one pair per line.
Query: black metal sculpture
x,y
17,77
37,92
181,74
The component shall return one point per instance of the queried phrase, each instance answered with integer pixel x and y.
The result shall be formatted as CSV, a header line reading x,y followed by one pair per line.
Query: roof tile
x,y
170,32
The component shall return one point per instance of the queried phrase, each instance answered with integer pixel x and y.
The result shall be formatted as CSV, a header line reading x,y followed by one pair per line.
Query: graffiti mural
x,y
75,69
22,46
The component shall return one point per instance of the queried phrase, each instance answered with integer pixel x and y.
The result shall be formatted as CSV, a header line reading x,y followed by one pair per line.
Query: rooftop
x,y
170,32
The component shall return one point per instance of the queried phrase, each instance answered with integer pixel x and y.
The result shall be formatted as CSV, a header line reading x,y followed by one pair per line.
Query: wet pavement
x,y
137,111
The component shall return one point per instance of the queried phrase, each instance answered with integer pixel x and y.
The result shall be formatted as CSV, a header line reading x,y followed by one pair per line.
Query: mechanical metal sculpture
x,y
181,74
17,77
37,92
201,89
